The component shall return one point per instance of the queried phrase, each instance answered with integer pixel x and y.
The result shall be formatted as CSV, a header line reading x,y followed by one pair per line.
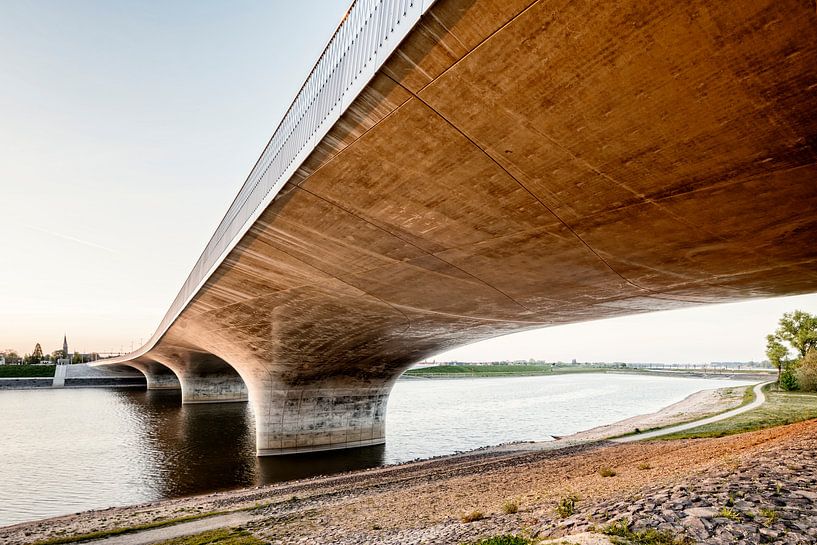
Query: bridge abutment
x,y
308,419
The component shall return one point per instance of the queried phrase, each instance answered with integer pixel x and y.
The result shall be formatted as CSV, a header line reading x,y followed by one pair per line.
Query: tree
x,y
807,372
77,358
797,332
37,355
11,354
799,329
777,354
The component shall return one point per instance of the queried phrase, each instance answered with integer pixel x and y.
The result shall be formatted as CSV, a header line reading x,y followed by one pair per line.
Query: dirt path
x,y
760,399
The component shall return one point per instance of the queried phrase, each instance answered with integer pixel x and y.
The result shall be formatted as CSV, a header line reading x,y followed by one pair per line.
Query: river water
x,y
63,451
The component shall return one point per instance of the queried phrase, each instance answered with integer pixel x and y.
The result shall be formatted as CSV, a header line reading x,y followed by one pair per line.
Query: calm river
x,y
63,451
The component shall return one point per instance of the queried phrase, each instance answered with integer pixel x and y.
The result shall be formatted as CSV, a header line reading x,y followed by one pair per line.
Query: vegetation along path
x,y
760,399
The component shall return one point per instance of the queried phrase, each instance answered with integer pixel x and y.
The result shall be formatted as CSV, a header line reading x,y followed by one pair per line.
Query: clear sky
x,y
126,128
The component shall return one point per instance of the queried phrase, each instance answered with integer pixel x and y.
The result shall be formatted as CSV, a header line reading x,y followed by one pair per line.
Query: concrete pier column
x,y
314,418
212,388
162,381
157,376
204,377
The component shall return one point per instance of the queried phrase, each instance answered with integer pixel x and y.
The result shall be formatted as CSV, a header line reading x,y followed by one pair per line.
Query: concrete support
x,y
162,381
212,388
158,376
204,377
308,419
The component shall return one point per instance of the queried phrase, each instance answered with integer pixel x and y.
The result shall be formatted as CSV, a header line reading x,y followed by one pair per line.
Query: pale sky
x,y
126,129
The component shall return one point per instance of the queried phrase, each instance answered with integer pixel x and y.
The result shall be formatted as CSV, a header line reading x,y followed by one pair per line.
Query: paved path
x,y
760,399
156,535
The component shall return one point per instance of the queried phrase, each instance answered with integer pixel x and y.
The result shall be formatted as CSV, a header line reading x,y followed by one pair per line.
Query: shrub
x,y
567,506
510,507
788,381
806,372
650,536
473,516
770,515
607,472
729,513
504,540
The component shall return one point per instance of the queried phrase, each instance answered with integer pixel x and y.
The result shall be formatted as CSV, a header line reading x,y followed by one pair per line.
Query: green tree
x,y
799,329
77,358
807,372
778,354
796,332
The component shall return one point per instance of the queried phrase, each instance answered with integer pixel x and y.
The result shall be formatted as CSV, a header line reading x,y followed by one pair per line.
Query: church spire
x,y
65,346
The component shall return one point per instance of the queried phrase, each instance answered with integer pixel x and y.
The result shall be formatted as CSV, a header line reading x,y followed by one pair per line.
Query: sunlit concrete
x,y
515,165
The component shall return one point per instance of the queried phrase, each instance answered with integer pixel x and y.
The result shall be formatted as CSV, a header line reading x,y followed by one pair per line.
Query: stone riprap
x,y
771,498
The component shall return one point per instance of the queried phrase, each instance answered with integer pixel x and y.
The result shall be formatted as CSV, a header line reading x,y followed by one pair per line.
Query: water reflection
x,y
205,447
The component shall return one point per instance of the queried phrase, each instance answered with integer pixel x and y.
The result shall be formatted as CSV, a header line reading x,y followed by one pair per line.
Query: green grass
x,y
222,536
124,530
495,370
26,371
780,408
503,540
621,534
567,506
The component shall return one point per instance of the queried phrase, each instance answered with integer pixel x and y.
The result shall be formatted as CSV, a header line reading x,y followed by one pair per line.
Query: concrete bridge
x,y
465,169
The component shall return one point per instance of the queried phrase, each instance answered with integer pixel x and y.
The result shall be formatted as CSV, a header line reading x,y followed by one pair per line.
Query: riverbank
x,y
467,466
80,375
485,371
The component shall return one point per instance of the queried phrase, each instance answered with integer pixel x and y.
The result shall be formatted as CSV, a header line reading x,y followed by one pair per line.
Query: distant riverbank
x,y
476,371
80,375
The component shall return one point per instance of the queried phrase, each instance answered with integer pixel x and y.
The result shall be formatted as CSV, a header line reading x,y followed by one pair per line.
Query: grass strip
x,y
222,536
126,529
27,371
781,408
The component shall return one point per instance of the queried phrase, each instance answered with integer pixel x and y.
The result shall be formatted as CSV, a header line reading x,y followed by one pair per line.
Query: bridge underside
x,y
515,165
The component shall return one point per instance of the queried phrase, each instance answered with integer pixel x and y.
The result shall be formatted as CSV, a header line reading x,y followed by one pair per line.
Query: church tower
x,y
65,355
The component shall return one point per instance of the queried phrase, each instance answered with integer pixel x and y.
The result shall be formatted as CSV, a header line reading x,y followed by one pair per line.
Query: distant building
x,y
2,359
66,355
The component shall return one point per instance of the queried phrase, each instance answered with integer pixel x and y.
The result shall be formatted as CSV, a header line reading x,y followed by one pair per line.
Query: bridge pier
x,y
313,418
158,376
212,388
204,377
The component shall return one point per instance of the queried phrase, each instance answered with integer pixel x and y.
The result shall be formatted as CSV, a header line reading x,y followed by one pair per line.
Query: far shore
x,y
487,371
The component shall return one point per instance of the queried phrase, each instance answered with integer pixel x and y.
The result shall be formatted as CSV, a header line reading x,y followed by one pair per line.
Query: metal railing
x,y
369,32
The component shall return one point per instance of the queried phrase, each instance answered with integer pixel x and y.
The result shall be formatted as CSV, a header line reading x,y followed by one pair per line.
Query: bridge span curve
x,y
462,169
